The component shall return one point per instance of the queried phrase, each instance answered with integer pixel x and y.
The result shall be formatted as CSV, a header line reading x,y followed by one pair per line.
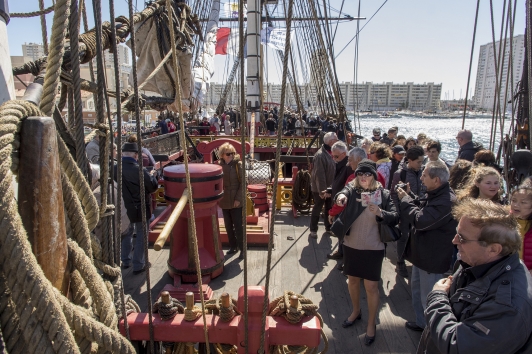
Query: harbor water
x,y
442,129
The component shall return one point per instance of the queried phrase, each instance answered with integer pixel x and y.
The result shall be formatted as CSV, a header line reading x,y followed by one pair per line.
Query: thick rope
x,y
10,322
14,245
276,178
93,330
37,294
77,118
55,57
103,302
192,220
76,216
82,188
32,14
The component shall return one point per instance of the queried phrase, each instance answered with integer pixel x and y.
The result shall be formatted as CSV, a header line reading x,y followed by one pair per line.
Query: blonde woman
x,y
484,183
363,249
232,201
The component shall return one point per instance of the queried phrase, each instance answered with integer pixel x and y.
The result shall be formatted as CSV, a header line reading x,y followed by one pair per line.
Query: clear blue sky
x,y
408,40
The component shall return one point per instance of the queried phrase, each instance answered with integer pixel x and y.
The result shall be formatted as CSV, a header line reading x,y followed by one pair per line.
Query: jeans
x,y
422,284
316,212
137,250
233,226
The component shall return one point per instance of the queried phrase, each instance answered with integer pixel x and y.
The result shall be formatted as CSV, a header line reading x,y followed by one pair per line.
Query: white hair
x,y
358,153
95,174
339,146
328,137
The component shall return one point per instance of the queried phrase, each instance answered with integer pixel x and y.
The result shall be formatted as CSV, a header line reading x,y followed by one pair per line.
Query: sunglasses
x,y
376,135
463,240
365,174
229,153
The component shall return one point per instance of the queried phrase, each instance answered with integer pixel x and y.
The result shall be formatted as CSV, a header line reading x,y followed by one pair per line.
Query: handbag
x,y
389,233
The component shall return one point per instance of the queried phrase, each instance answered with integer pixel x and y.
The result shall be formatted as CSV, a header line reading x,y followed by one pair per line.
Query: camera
x,y
329,190
400,185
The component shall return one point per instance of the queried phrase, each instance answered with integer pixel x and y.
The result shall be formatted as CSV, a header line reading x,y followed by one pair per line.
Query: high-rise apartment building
x,y
124,67
485,88
32,50
363,96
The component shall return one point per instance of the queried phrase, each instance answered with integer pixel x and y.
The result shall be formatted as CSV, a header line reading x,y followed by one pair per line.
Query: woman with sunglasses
x,y
363,249
231,202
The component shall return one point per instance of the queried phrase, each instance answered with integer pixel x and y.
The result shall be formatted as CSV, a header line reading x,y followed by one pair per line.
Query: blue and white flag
x,y
273,37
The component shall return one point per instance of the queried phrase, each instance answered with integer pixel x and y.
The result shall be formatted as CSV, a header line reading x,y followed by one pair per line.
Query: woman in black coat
x,y
363,248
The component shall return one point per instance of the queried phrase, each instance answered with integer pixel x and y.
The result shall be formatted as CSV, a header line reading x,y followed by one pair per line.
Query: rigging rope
x,y
33,14
470,63
141,175
118,228
276,177
191,221
243,126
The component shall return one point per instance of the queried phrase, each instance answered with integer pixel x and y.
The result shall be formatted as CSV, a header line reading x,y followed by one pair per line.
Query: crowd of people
x,y
469,241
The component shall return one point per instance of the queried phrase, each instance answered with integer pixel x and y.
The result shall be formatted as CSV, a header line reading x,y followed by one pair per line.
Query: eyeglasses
x,y
229,153
462,240
337,156
376,135
365,174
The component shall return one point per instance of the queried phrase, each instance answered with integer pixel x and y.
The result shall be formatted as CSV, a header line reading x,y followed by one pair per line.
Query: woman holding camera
x,y
363,248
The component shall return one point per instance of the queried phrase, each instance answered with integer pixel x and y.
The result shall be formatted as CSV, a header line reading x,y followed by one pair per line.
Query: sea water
x,y
442,129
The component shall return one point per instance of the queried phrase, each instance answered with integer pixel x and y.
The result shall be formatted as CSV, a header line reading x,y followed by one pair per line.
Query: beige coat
x,y
232,185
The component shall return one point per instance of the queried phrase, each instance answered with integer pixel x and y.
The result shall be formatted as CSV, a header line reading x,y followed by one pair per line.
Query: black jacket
x,y
429,246
131,188
489,315
343,171
354,208
468,150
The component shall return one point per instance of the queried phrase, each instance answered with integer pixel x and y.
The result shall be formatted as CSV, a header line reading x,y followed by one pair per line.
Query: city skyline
x,y
404,42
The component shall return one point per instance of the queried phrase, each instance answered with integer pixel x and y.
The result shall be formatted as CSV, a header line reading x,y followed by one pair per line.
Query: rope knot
x,y
168,307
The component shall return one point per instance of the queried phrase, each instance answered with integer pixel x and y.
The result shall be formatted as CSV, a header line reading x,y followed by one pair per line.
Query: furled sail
x,y
204,64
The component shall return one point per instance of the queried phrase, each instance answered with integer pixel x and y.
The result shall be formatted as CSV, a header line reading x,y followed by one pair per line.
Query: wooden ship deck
x,y
299,263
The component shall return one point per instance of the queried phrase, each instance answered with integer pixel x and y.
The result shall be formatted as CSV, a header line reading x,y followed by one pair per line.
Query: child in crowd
x,y
521,208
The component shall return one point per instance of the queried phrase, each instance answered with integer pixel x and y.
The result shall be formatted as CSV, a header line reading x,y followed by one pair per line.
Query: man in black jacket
x,y
429,247
131,193
486,305
342,172
468,147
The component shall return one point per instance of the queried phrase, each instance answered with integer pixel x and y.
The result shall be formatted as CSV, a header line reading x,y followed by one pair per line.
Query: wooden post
x,y
40,201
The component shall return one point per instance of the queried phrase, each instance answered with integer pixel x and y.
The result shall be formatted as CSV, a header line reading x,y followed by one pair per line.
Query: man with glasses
x,y
376,134
429,247
342,172
321,177
486,305
468,147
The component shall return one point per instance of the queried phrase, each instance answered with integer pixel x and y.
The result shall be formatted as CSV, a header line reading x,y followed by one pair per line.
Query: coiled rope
x,y
281,307
302,194
52,318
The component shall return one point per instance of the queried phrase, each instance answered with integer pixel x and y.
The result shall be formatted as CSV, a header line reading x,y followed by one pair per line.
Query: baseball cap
x,y
398,149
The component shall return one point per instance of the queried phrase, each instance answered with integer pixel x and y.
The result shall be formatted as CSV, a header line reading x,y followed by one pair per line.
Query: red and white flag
x,y
227,41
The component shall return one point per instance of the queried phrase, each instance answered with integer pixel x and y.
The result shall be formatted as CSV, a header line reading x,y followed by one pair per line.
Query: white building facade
x,y
364,96
485,87
33,50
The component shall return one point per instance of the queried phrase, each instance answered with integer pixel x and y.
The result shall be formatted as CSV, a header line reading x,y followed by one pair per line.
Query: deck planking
x,y
300,264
